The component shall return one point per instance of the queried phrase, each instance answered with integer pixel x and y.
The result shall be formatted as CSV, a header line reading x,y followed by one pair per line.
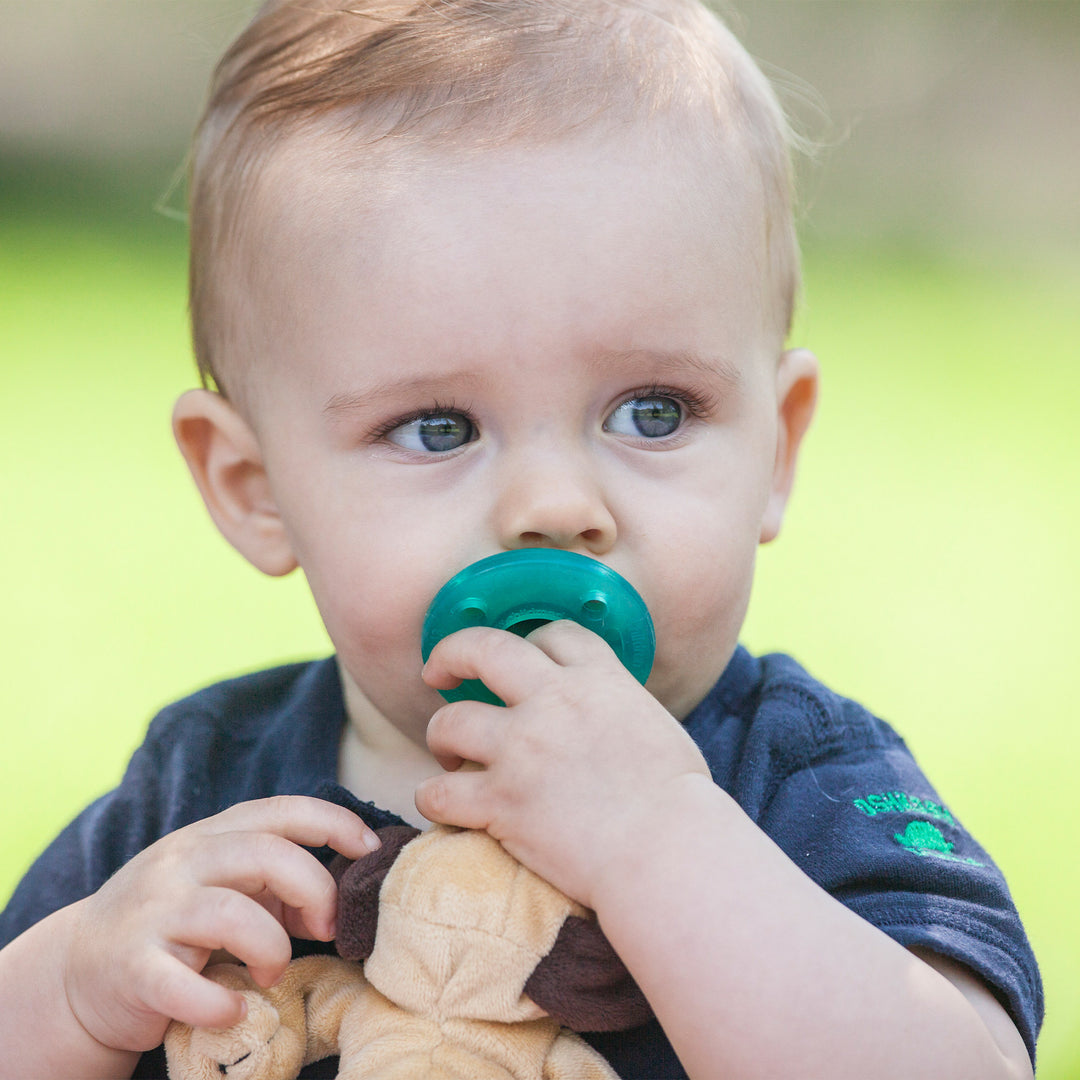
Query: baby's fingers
x,y
226,919
264,865
466,731
507,664
303,820
456,798
172,989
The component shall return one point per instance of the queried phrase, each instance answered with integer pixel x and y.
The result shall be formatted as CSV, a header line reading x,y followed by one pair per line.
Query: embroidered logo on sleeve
x,y
899,802
919,837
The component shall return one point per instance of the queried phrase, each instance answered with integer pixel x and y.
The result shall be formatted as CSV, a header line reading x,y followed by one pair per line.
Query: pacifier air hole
x,y
594,606
471,613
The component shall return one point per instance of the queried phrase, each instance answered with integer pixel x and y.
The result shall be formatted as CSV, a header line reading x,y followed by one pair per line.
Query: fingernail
x,y
371,842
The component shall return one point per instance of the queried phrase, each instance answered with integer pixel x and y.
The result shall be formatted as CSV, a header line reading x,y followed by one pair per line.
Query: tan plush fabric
x,y
461,927
286,1026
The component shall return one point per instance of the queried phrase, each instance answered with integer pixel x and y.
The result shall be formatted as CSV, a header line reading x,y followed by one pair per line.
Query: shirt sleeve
x,y
867,826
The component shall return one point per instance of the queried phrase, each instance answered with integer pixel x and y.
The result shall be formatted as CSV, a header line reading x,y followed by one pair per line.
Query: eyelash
x,y
436,408
696,405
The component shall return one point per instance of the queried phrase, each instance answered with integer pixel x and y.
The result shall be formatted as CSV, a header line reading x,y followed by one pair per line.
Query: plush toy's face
x,y
259,1046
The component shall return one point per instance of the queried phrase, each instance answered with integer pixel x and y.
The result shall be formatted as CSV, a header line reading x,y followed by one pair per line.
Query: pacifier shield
x,y
521,590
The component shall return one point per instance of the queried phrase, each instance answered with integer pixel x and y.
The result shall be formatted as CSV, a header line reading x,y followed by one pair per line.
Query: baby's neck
x,y
379,763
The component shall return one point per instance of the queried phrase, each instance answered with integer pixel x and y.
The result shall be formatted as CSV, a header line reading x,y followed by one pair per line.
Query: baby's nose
x,y
548,501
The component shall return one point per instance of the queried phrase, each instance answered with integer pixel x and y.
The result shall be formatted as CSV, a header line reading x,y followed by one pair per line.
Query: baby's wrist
x,y
76,932
657,835
59,1043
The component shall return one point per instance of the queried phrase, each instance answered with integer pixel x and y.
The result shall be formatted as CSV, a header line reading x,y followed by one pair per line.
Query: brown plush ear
x,y
359,883
584,985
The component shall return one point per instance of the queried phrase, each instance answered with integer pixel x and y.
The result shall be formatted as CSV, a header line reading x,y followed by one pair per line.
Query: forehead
x,y
319,197
621,242
424,258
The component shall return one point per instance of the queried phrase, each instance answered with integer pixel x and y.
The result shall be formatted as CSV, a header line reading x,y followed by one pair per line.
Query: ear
x,y
796,397
584,985
359,884
223,454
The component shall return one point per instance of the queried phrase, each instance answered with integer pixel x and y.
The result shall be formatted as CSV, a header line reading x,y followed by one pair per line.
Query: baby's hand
x,y
576,768
238,881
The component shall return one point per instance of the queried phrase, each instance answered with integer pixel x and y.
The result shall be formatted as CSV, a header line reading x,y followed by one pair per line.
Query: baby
x,y
470,276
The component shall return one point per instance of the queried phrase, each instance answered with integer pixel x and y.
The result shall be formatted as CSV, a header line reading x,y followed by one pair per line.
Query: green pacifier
x,y
521,590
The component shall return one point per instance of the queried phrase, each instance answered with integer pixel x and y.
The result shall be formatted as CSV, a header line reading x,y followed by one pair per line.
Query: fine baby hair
x,y
373,86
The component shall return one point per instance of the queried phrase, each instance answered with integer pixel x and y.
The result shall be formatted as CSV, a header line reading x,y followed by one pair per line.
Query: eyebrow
x,y
669,364
679,362
435,385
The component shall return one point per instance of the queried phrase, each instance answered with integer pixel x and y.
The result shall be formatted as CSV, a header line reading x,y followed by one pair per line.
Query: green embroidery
x,y
899,802
922,838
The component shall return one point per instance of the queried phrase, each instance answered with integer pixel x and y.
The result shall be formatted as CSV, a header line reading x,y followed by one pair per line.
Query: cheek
x,y
698,621
371,587
702,597
375,552
372,601
359,547
698,587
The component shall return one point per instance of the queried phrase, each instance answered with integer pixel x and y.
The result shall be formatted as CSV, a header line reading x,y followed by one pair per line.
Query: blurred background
x,y
929,563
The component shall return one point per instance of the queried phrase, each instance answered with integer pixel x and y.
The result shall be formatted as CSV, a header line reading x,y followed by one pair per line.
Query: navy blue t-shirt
x,y
833,786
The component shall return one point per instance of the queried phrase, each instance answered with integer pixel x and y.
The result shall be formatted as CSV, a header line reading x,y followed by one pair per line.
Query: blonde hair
x,y
464,75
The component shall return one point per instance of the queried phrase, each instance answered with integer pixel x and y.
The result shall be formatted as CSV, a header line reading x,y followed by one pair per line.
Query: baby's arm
x,y
777,978
85,990
752,969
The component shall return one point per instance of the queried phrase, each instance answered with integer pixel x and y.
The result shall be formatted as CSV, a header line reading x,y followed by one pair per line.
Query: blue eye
x,y
436,433
646,417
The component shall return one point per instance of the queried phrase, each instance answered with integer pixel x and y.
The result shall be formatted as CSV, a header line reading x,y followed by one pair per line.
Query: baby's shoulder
x,y
241,707
806,722
266,733
768,720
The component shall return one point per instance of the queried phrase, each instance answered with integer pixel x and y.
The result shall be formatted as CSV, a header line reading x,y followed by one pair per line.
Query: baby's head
x,y
378,89
475,275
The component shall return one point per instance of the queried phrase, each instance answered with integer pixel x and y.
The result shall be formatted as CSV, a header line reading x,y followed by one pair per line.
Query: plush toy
x,y
456,963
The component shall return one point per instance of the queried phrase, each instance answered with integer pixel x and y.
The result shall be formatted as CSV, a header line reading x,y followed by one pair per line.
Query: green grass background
x,y
928,566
